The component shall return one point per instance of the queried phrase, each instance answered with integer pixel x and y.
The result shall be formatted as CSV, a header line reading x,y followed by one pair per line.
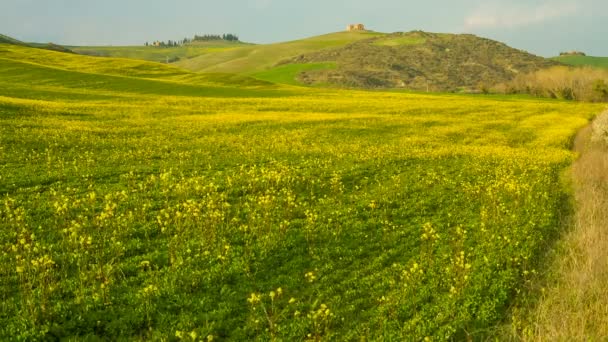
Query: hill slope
x,y
598,62
258,58
420,61
159,54
9,40
29,67
4,39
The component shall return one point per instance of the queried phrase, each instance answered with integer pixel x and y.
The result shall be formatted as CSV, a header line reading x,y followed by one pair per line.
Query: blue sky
x,y
543,27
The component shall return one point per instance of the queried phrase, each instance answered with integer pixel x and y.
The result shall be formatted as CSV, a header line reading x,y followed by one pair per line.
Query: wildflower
x,y
373,205
310,276
254,298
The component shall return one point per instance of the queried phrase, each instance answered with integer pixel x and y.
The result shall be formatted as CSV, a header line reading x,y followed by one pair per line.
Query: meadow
x,y
259,58
596,62
144,202
158,54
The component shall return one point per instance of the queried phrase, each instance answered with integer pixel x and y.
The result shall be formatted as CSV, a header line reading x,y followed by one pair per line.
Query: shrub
x,y
567,83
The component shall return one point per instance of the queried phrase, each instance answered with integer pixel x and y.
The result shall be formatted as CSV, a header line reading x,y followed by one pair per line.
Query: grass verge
x,y
573,305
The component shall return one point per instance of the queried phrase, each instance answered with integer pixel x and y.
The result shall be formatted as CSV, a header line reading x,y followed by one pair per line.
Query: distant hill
x,y
4,39
51,46
260,58
9,40
160,54
577,60
80,69
418,61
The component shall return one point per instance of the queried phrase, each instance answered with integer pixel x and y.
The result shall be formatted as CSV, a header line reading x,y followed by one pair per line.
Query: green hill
x,y
598,62
4,39
420,61
9,40
159,54
51,46
26,65
259,58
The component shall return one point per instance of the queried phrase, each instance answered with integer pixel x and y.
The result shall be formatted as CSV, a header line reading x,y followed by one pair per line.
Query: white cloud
x,y
505,15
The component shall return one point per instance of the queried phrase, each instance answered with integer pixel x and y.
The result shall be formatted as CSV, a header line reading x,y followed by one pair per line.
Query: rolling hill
x,y
159,54
4,39
415,60
22,65
420,61
259,58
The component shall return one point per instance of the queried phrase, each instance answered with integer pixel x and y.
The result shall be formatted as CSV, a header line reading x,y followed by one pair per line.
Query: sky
x,y
543,27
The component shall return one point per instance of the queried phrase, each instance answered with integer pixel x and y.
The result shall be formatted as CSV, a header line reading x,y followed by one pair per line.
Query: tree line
x,y
204,38
210,37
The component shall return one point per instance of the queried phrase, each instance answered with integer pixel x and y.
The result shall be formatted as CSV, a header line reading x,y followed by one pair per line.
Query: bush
x,y
567,83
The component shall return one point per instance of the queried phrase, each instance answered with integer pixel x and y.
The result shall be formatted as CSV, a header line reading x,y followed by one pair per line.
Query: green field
x,y
259,61
288,74
144,202
159,54
259,58
598,62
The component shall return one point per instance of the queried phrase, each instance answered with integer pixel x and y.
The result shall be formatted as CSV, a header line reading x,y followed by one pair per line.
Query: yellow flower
x,y
254,298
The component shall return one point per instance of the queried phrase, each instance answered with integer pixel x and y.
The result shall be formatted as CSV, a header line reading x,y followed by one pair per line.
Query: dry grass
x,y
569,83
575,305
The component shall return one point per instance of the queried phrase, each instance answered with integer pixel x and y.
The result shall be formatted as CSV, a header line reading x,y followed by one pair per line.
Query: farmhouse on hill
x,y
355,27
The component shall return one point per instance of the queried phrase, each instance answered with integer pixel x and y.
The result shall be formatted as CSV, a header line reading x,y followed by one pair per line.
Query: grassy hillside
x,y
421,61
48,46
138,202
598,62
8,40
288,74
135,69
158,54
259,58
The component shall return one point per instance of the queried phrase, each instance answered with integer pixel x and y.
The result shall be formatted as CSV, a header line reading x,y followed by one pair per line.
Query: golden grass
x,y
575,305
581,84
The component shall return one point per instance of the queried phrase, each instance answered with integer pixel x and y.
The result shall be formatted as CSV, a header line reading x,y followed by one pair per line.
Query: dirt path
x,y
575,304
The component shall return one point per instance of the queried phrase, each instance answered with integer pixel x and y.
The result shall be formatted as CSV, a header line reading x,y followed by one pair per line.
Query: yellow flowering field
x,y
173,206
